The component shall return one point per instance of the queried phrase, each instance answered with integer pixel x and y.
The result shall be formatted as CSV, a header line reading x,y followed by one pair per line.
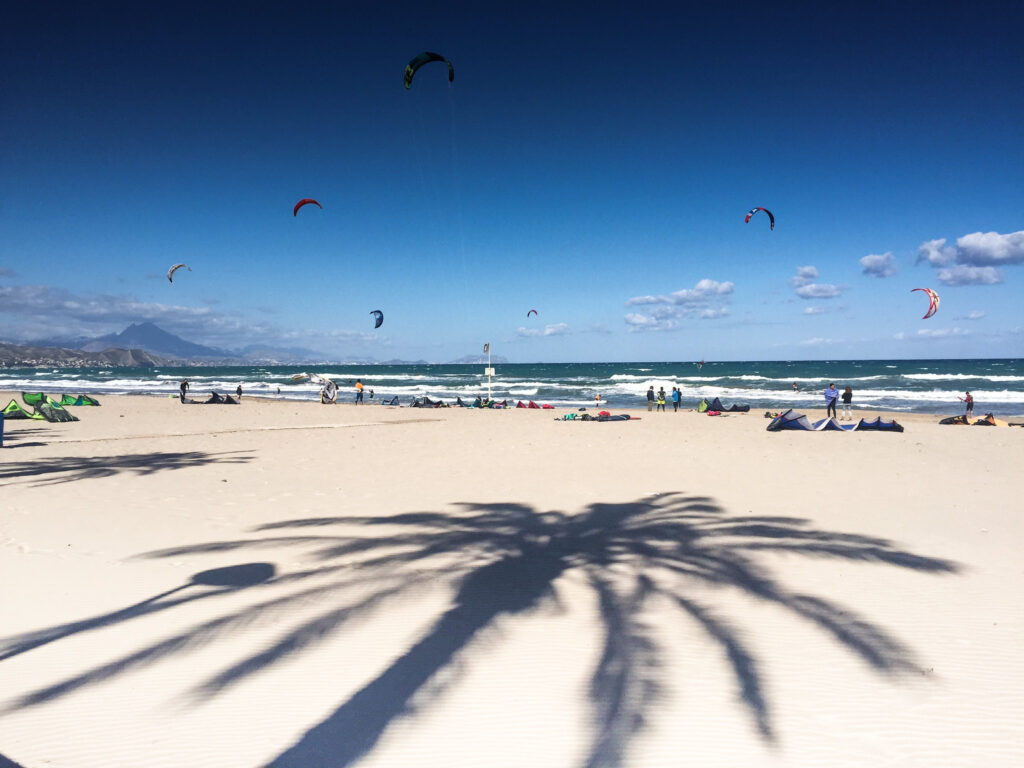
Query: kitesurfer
x,y
968,402
359,391
661,398
847,408
184,388
831,395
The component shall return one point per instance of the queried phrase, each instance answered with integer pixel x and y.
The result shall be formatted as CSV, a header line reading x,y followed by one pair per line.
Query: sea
x,y
912,386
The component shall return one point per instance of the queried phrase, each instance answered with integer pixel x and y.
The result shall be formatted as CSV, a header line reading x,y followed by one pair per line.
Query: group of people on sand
x,y
658,401
832,396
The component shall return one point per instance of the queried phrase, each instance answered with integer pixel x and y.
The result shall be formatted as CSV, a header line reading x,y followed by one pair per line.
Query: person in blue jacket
x,y
675,399
831,395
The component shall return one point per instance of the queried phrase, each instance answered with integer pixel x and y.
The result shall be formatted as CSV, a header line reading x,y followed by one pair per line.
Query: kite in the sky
x,y
425,58
933,301
380,318
531,312
175,268
305,201
771,218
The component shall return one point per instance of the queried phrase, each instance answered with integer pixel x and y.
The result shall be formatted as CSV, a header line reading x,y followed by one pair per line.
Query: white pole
x,y
488,371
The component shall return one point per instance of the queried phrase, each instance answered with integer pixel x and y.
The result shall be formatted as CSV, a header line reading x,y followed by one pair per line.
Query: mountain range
x,y
174,349
146,344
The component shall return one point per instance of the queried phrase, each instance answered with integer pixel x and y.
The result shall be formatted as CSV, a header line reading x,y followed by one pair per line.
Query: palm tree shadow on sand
x,y
504,559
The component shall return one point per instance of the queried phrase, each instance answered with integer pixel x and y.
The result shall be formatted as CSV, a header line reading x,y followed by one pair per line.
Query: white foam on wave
x,y
959,376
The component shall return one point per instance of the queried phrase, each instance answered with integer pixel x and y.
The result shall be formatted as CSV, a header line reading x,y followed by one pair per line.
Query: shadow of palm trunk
x,y
510,585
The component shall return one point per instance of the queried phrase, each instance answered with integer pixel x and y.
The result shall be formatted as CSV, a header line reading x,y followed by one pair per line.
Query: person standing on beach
x,y
675,399
968,401
184,388
650,398
831,395
359,391
661,398
847,408
238,392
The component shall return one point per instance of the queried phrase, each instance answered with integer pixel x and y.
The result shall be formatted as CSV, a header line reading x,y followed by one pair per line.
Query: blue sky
x,y
594,166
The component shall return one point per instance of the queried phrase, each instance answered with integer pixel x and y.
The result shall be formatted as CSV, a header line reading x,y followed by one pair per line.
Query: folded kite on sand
x,y
988,420
716,405
793,420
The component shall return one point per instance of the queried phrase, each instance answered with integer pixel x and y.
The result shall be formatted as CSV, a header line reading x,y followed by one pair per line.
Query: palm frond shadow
x,y
503,560
74,468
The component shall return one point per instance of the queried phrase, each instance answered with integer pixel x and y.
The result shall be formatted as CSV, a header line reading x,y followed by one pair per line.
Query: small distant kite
x,y
752,211
175,268
531,312
933,301
305,201
425,58
380,318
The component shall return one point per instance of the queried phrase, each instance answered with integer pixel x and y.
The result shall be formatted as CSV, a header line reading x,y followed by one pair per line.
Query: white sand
x,y
495,588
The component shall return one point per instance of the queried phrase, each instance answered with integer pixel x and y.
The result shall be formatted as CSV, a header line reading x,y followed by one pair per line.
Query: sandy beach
x,y
290,584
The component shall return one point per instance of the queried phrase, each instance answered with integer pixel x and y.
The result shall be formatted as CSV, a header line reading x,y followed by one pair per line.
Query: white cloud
x,y
338,334
961,274
820,291
813,310
698,295
936,253
713,314
974,258
879,264
931,333
991,248
708,286
639,300
806,288
815,342
941,333
638,322
975,314
705,300
804,276
555,329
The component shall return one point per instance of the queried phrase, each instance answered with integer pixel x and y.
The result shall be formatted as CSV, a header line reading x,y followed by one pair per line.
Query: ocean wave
x,y
959,377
